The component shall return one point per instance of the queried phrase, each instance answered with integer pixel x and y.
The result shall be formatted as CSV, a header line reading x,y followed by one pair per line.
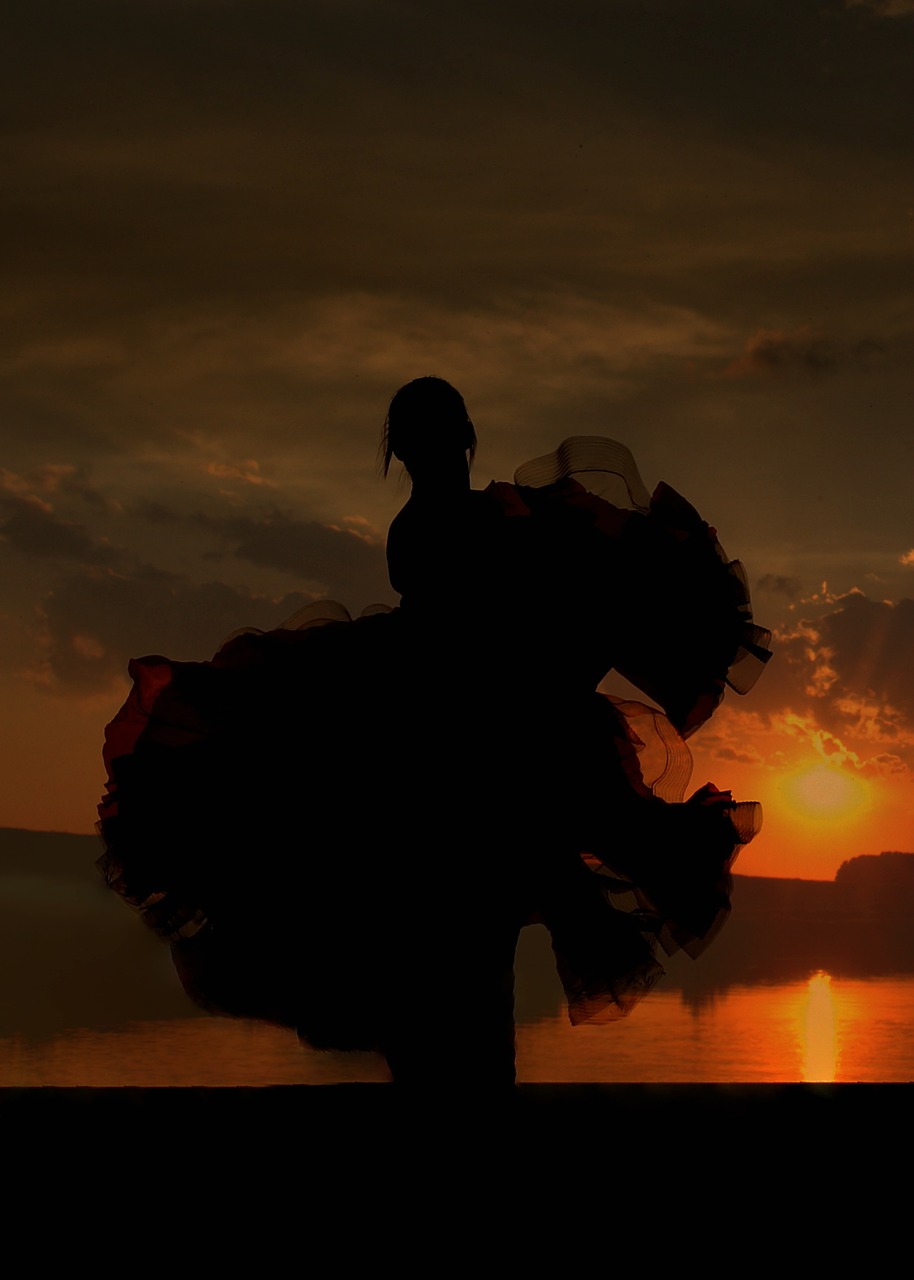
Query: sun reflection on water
x,y
818,1030
819,1033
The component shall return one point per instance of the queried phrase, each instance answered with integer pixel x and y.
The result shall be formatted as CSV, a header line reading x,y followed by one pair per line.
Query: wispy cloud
x,y
772,351
92,623
884,8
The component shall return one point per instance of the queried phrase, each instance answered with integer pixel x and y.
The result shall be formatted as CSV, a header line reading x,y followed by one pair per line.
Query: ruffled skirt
x,y
315,827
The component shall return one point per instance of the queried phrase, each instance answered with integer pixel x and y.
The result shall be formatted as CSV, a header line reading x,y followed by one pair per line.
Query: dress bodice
x,y
439,547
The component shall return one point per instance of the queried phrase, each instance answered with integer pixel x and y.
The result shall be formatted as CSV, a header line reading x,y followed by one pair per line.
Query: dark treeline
x,y
857,925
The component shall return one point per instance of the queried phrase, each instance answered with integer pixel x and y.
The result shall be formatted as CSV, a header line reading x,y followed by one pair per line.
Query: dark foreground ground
x,y
364,1171
368,1118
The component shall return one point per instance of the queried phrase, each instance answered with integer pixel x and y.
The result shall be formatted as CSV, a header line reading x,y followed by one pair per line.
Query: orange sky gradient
x,y
239,228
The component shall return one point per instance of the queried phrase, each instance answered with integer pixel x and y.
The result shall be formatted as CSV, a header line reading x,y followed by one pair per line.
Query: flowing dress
x,y
341,823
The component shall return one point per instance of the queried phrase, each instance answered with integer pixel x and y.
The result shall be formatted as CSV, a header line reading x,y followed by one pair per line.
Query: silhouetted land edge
x,y
859,925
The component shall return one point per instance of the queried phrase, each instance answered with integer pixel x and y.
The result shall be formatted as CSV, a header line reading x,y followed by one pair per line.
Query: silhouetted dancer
x,y
342,825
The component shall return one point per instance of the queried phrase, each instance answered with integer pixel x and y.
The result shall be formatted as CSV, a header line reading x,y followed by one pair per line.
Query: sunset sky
x,y
235,227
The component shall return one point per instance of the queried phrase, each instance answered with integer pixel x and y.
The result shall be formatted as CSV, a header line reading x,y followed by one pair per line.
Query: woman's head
x,y
427,424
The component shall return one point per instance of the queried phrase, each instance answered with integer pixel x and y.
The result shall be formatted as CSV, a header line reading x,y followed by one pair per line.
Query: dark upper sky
x,y
235,228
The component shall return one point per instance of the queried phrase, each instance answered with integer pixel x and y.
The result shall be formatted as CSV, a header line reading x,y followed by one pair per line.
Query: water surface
x,y
819,1029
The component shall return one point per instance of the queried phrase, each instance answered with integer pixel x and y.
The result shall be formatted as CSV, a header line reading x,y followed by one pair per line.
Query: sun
x,y
826,792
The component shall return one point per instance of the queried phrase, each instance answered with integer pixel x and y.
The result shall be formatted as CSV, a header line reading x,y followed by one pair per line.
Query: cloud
x,y
840,687
104,604
93,622
773,351
250,233
842,750
746,755
779,584
872,642
849,667
413,154
50,480
31,528
884,8
346,561
152,512
247,471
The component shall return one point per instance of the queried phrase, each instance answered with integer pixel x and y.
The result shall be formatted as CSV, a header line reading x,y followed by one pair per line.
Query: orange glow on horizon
x,y
817,813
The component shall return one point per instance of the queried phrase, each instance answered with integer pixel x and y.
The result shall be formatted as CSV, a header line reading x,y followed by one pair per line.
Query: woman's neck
x,y
445,480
